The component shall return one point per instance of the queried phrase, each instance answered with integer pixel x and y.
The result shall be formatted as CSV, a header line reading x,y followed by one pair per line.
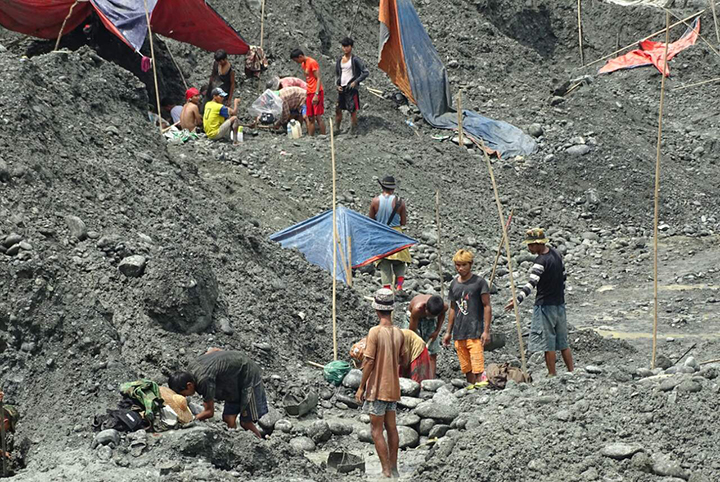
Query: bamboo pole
x,y
342,258
701,36
262,23
152,54
715,19
481,144
657,192
349,262
335,237
62,27
3,440
313,364
580,36
634,44
696,84
461,142
172,57
439,250
499,250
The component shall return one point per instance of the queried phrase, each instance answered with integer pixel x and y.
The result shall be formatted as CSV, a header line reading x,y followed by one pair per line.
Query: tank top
x,y
385,209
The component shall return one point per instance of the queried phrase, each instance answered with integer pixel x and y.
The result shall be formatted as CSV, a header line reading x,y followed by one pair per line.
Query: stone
x,y
409,438
426,425
408,419
535,130
661,361
664,466
689,386
643,372
579,150
594,369
338,427
557,100
319,431
431,385
284,425
642,462
437,411
564,415
25,246
302,444
225,327
409,402
710,373
458,383
12,239
268,421
691,362
668,384
439,431
409,388
445,395
459,423
347,400
133,266
104,452
353,379
13,250
77,227
619,450
107,437
364,435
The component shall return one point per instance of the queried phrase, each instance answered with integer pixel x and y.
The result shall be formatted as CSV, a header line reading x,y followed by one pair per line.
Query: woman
x,y
222,76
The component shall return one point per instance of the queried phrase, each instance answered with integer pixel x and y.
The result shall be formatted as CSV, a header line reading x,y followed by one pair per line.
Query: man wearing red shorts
x,y
315,102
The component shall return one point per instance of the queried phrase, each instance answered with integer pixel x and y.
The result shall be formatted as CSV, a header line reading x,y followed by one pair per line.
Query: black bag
x,y
120,420
266,118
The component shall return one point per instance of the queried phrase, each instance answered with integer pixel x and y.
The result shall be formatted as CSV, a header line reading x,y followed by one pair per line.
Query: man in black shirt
x,y
225,375
548,331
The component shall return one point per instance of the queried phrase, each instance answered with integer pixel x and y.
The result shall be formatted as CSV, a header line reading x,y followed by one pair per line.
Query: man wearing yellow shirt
x,y
418,367
219,121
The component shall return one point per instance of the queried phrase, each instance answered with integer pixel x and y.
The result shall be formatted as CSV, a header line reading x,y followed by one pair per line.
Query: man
x,y
219,121
15,455
225,375
469,319
417,358
190,117
349,72
293,100
426,315
174,110
315,103
276,83
548,330
380,385
389,209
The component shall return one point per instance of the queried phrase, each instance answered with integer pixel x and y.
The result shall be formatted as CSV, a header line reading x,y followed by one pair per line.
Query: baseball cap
x,y
219,91
191,92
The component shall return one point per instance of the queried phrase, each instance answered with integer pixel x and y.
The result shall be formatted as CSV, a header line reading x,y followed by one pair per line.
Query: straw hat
x,y
178,403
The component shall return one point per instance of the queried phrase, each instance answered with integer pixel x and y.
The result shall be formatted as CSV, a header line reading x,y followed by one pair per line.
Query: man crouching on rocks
x,y
548,330
380,385
225,375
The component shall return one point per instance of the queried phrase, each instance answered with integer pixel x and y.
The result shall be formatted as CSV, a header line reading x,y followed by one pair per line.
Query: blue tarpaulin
x,y
408,56
369,240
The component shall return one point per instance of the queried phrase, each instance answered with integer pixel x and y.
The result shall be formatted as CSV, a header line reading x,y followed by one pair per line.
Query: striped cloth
x,y
535,272
293,98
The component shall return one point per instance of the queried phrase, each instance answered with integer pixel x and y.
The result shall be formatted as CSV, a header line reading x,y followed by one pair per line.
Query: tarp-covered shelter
x,y
652,53
191,21
369,240
409,58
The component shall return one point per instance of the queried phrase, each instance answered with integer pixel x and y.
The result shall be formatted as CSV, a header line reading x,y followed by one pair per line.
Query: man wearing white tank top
x,y
349,72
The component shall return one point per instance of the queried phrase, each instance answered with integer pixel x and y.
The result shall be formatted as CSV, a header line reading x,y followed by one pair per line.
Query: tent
x,y
409,58
364,239
191,21
652,53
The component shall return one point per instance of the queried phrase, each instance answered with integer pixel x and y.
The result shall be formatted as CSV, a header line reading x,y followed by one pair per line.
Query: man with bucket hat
x,y
389,209
548,331
380,386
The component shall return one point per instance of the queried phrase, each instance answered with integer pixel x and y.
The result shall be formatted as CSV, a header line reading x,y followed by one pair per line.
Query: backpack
x,y
147,394
498,375
120,420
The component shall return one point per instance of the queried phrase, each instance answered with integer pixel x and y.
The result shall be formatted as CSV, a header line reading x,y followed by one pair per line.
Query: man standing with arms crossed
x,y
548,330
315,102
380,385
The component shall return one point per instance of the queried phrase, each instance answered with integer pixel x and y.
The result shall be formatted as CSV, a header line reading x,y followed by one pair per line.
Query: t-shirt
x,y
414,344
310,66
384,345
551,287
346,72
225,375
292,82
214,116
465,299
175,113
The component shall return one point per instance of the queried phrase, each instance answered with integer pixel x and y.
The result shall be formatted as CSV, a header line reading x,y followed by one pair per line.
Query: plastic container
x,y
294,129
240,134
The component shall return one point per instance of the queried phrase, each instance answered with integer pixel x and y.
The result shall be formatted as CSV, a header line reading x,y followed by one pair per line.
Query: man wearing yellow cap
x,y
548,331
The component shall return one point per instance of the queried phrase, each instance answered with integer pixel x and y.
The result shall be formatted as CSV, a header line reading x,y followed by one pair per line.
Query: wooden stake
x,y
461,142
262,23
439,246
335,238
580,36
152,54
697,84
313,364
481,144
62,27
715,19
657,192
499,250
349,261
634,44
3,440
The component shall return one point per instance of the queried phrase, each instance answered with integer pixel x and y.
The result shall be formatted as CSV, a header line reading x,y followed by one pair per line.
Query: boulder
x,y
409,438
426,425
437,411
338,427
408,420
432,385
319,431
409,388
302,444
579,150
664,466
364,435
77,227
353,379
689,386
409,402
284,425
133,266
619,451
347,400
439,431
268,421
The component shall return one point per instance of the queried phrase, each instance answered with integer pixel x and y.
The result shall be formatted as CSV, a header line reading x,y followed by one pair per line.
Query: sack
x,y
268,103
255,61
178,403
498,375
357,352
335,371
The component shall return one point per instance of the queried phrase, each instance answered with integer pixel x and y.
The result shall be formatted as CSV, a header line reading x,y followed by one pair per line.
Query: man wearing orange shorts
x,y
315,101
469,319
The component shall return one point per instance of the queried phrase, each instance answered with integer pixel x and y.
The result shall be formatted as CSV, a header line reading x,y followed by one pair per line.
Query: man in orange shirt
x,y
380,386
315,102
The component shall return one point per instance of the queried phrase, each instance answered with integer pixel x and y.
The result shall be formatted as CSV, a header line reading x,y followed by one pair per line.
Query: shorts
x,y
225,129
379,407
348,99
471,354
391,269
257,405
315,110
301,111
425,328
548,330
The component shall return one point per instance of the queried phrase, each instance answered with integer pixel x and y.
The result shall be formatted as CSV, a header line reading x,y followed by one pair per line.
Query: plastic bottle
x,y
410,123
240,134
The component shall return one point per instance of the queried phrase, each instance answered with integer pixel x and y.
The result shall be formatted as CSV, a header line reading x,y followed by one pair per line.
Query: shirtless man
x,y
190,117
421,311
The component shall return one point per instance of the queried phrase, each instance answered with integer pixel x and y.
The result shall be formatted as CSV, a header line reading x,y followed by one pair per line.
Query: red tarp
x,y
652,53
191,21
